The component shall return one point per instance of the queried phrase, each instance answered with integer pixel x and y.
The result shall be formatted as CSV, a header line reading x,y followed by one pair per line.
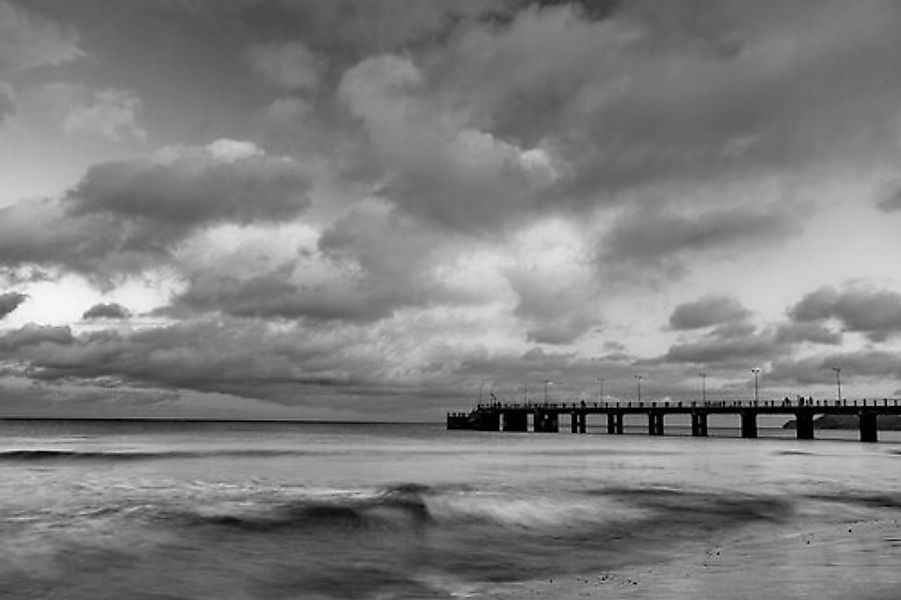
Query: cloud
x,y
10,301
437,165
110,112
730,345
710,310
855,365
125,216
31,337
29,40
815,333
290,65
7,101
227,180
363,267
106,310
874,312
659,239
890,201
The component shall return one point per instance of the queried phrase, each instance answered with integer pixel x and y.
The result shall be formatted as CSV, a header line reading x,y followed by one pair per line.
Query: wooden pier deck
x,y
545,417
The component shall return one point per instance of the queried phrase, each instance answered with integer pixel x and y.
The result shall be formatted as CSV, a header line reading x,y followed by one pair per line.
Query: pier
x,y
546,417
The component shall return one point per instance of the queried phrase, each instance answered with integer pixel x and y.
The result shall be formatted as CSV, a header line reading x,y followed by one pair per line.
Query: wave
x,y
128,455
395,507
862,499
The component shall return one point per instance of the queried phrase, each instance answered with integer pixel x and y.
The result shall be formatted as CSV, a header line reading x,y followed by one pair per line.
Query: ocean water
x,y
176,510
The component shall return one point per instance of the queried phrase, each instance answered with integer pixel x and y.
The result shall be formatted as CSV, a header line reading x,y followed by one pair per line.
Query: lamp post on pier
x,y
703,377
547,382
601,381
756,372
639,378
838,382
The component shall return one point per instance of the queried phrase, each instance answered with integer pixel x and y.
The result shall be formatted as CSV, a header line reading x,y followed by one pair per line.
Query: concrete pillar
x,y
869,431
516,421
583,422
699,424
655,423
615,423
547,422
748,424
804,422
574,425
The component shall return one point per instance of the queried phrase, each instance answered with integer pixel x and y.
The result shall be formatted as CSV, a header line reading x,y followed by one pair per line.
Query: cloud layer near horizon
x,y
349,205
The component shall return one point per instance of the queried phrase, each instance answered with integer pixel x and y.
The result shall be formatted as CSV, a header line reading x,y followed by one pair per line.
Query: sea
x,y
247,510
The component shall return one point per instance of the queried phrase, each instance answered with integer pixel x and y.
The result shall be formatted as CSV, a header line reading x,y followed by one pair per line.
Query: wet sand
x,y
798,564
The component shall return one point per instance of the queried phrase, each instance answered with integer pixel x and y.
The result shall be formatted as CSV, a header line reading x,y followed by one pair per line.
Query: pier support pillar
x,y
547,422
583,422
804,422
869,432
516,421
615,423
655,423
487,421
574,428
699,424
748,424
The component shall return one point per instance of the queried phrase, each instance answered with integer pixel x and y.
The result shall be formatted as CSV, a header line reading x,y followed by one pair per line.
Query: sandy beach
x,y
799,564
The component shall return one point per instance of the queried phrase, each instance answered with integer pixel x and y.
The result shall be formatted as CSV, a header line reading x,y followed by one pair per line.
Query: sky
x,y
388,209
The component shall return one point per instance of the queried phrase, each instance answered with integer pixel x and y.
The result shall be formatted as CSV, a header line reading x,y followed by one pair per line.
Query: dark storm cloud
x,y
660,238
106,310
125,216
226,181
865,363
710,310
10,301
874,312
743,86
816,333
726,347
31,336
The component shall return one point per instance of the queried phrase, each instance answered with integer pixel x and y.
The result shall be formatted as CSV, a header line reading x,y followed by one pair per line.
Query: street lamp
x,y
756,372
838,382
703,377
639,378
601,381
546,383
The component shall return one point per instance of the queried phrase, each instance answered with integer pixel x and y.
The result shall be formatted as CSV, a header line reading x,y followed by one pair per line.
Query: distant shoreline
x,y
203,420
